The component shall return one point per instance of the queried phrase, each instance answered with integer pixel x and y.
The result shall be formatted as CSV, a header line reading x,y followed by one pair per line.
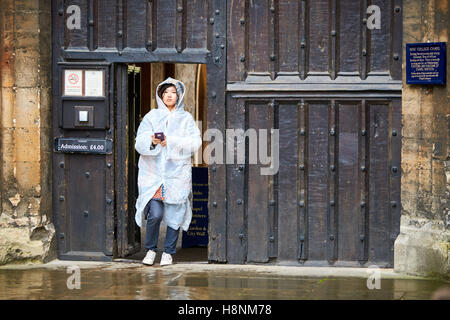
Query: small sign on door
x,y
84,83
94,83
73,82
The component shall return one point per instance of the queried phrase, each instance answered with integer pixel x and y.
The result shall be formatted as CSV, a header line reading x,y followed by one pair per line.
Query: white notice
x,y
73,82
94,83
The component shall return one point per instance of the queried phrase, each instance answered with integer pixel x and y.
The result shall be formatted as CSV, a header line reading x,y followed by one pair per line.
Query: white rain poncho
x,y
170,165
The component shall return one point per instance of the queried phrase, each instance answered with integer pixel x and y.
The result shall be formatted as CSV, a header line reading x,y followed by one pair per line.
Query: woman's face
x,y
169,97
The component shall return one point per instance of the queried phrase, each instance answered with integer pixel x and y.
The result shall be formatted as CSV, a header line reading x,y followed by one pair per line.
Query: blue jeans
x,y
154,218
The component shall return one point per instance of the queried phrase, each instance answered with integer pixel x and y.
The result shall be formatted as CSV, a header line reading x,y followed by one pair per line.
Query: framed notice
x,y
93,86
426,63
73,82
84,83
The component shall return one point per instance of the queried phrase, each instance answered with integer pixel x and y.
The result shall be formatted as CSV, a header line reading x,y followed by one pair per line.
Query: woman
x,y
164,179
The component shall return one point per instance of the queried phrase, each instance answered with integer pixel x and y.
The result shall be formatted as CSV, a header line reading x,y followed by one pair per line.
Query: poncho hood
x,y
181,89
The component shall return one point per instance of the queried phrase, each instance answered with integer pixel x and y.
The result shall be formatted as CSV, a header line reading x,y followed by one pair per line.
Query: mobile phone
x,y
159,135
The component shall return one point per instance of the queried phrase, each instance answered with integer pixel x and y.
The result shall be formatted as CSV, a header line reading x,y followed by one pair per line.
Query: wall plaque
x,y
426,63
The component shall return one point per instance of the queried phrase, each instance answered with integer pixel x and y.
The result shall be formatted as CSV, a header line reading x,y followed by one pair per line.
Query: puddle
x,y
156,283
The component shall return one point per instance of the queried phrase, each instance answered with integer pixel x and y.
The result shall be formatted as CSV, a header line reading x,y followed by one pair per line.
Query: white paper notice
x,y
73,82
94,83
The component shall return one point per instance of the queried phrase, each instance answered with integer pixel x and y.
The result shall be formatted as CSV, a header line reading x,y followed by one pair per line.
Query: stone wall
x,y
423,243
26,231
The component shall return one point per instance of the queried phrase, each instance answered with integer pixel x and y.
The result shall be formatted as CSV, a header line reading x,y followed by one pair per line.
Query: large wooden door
x,y
320,73
324,73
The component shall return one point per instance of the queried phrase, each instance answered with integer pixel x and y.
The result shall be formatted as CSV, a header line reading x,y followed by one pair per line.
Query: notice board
x,y
426,63
197,235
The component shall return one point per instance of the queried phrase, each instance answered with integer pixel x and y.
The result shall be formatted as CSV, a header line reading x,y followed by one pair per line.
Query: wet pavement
x,y
198,282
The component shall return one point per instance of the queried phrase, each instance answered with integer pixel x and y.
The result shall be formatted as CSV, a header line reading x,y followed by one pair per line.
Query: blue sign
x,y
197,234
426,63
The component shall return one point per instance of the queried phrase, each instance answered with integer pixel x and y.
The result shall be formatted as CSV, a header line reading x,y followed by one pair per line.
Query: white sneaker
x,y
166,259
149,258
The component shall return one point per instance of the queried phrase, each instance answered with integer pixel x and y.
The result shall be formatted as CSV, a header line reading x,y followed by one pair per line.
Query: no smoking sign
x,y
73,78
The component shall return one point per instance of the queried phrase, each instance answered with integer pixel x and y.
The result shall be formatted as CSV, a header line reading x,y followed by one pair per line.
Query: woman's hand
x,y
157,141
154,140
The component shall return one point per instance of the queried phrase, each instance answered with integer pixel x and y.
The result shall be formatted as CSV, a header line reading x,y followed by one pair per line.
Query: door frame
x,y
213,55
216,176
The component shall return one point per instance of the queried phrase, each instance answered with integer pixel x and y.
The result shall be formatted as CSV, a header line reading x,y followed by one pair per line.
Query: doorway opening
x,y
143,78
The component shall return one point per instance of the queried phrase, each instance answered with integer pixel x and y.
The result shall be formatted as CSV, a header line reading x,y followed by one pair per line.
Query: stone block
x,y
8,96
6,18
412,20
27,144
28,41
8,147
412,126
8,176
26,68
410,148
16,245
6,6
410,101
27,111
28,175
7,60
26,5
421,248
26,22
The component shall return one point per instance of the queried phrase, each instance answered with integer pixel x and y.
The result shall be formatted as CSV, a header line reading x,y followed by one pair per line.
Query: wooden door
x,y
83,178
321,74
113,34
